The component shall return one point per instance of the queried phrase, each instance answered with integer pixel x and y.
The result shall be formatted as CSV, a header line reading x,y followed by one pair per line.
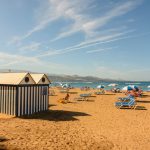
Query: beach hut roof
x,y
40,78
16,78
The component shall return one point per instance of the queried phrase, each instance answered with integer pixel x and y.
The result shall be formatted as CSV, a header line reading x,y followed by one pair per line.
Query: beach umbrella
x,y
130,87
127,88
100,86
65,86
113,84
134,87
60,84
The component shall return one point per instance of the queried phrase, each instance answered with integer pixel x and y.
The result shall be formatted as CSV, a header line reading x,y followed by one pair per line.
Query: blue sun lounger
x,y
85,95
130,104
125,98
99,92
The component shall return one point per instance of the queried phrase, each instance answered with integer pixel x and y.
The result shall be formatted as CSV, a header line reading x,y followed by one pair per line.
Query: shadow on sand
x,y
140,108
73,92
145,96
109,94
88,100
56,115
3,139
53,95
137,108
92,96
51,105
141,101
2,146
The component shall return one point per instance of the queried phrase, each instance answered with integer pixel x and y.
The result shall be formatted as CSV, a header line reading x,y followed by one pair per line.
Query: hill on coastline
x,y
76,78
65,78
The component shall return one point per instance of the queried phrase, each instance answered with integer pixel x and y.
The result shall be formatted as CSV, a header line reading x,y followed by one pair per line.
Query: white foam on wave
x,y
132,83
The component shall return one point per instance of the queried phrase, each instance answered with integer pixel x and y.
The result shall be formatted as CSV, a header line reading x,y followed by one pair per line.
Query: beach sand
x,y
80,125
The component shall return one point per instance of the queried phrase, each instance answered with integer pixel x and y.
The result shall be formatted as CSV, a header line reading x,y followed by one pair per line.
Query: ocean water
x,y
121,84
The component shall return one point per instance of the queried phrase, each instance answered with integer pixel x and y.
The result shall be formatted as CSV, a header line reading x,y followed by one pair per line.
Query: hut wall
x,y
23,99
32,99
7,99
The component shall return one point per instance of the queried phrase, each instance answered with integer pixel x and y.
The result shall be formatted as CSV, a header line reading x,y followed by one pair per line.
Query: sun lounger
x,y
125,98
81,98
85,95
129,104
99,93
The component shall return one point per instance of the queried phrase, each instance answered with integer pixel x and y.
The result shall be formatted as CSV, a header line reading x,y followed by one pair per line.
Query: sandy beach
x,y
80,125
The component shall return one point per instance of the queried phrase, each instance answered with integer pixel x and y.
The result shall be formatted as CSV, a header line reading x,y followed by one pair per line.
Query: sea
x,y
121,84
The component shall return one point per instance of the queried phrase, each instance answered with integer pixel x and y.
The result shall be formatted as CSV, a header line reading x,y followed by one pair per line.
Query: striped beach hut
x,y
21,95
42,82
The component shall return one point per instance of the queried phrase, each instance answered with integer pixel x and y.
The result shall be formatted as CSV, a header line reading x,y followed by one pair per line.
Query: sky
x,y
102,38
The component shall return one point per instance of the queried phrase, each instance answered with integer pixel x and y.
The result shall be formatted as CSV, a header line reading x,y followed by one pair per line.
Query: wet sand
x,y
91,125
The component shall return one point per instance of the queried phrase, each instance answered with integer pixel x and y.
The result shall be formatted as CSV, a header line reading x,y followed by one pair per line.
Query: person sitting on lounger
x,y
65,99
67,96
133,93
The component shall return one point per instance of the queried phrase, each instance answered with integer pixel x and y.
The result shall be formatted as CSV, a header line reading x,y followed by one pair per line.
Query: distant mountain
x,y
76,78
65,78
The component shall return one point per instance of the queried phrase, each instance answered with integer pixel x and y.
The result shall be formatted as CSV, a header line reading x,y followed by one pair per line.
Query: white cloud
x,y
88,25
55,9
88,43
31,47
78,12
9,64
130,74
109,72
118,10
11,59
100,50
15,40
29,63
81,21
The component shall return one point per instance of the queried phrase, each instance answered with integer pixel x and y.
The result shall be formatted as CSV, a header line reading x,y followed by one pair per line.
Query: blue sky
x,y
108,39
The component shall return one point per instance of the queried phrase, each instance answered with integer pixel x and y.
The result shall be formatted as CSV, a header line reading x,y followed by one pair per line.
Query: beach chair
x,y
130,104
127,98
99,93
85,95
81,98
